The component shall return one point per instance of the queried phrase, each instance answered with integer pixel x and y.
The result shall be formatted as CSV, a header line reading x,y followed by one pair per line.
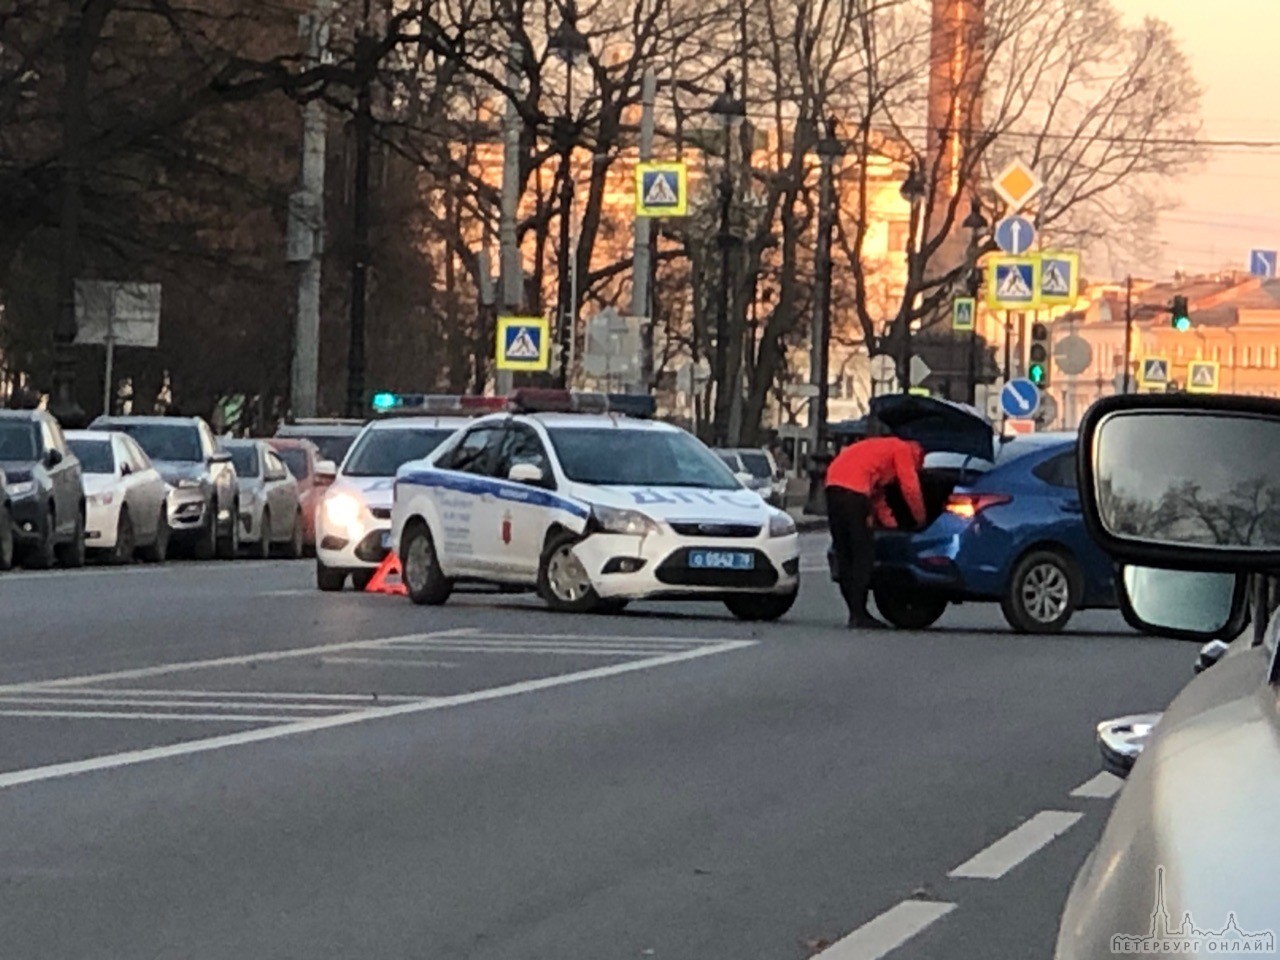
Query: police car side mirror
x,y
326,472
744,479
529,473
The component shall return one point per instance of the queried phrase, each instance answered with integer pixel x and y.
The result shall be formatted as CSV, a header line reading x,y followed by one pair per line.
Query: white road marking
x,y
23,699
300,592
359,698
1014,847
887,932
561,640
536,650
1104,786
202,568
391,662
114,715
164,669
313,724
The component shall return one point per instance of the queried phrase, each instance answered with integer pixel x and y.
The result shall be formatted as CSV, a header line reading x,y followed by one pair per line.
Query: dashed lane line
x,y
1104,786
118,715
999,858
888,931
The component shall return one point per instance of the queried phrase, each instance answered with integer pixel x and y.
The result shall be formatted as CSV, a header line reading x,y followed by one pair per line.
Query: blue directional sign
x,y
1014,235
1262,263
1020,399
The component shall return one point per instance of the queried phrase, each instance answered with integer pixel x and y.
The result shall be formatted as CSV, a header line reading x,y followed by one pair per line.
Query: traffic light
x,y
1038,355
1181,319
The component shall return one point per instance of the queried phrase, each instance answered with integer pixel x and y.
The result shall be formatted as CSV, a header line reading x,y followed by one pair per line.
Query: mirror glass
x,y
1180,600
1200,479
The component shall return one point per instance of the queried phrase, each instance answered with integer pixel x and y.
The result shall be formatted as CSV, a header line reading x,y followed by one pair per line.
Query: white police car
x,y
592,510
354,518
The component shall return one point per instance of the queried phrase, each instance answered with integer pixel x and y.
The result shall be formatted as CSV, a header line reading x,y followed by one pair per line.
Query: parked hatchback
x,y
46,494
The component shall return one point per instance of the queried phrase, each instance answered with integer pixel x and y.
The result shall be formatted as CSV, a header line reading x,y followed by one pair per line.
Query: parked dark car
x,y
203,498
44,489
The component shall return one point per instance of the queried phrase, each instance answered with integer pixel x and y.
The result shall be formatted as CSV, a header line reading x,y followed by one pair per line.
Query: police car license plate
x,y
721,560
386,539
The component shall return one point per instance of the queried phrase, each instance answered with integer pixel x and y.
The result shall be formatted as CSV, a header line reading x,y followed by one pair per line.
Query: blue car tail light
x,y
967,506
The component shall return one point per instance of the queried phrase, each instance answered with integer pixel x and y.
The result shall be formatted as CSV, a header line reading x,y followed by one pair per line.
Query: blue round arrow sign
x,y
1020,399
1015,235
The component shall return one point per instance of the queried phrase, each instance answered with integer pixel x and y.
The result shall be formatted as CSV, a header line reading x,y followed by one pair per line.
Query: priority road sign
x,y
1013,283
1153,372
524,343
1017,185
662,190
1014,235
963,310
1059,278
1202,376
1020,398
1262,263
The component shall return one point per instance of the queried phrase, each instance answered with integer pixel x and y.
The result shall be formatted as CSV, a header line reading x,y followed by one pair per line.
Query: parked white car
x,y
270,512
126,510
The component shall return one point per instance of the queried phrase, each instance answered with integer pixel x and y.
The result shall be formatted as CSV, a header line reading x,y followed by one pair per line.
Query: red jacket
x,y
869,466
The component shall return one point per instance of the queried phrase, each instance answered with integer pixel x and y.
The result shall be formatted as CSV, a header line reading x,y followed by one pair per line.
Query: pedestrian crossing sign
x,y
1059,278
1153,372
524,343
1013,283
963,310
662,190
1202,376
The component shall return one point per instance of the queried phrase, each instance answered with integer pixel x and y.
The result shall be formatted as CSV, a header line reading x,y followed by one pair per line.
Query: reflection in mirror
x,y
1180,600
1201,479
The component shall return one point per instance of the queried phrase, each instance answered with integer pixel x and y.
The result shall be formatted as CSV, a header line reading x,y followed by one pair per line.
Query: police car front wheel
x,y
563,583
423,579
760,606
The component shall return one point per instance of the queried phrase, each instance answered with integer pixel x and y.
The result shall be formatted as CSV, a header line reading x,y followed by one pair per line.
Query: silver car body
x,y
1187,858
268,492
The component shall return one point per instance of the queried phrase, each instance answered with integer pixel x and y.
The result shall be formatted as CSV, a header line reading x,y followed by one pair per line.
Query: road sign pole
x,y
1128,327
107,392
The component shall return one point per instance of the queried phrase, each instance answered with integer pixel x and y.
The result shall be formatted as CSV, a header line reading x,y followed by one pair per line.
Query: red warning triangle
x,y
388,578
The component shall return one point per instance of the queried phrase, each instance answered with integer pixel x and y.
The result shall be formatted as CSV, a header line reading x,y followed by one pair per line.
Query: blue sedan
x,y
1012,533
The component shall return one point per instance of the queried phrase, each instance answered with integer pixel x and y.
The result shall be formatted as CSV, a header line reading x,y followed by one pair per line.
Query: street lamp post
x,y
569,44
731,112
975,223
913,191
829,151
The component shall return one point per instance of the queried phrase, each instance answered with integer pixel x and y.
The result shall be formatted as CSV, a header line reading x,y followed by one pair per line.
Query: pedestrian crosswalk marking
x,y
662,190
522,346
1202,376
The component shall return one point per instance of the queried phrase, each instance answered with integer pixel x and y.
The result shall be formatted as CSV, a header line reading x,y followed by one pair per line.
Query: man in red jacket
x,y
856,484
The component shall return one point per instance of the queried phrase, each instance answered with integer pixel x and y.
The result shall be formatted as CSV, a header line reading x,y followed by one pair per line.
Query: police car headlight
x,y
22,489
781,524
342,510
631,522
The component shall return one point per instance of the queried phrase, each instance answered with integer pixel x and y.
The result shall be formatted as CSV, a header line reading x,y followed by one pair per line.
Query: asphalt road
x,y
215,761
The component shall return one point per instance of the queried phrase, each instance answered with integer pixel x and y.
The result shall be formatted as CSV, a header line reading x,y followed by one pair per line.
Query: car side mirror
x,y
529,473
744,478
126,470
1210,653
53,458
326,472
1184,604
1122,740
219,456
1185,481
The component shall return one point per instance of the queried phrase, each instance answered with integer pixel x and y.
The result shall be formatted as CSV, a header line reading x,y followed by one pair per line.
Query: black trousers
x,y
849,517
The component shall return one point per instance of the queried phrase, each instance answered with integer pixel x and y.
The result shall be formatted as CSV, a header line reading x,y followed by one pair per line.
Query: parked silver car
x,y
1182,489
270,510
758,465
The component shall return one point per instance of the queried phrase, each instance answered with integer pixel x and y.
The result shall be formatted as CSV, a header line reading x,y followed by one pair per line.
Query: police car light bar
x,y
427,404
529,400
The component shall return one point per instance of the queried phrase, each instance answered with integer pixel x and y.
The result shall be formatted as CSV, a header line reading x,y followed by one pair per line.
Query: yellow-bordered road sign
x,y
1013,283
524,343
662,190
963,312
1202,376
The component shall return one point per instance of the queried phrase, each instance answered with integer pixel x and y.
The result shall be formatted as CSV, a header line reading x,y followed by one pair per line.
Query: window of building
x,y
1217,354
899,232
1275,357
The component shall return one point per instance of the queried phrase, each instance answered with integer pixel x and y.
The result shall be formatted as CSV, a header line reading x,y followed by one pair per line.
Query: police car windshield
x,y
653,458
381,452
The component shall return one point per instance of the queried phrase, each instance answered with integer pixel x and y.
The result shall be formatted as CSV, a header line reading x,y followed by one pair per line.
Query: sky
x,y
1232,204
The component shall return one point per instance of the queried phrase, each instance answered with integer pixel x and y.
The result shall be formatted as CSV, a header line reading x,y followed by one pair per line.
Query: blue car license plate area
x,y
721,560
